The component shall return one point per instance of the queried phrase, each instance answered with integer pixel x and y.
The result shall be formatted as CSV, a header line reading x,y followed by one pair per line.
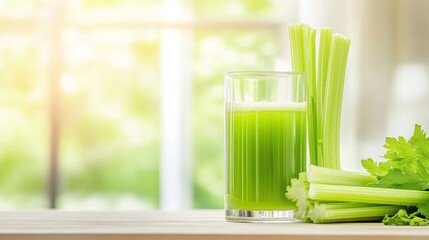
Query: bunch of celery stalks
x,y
393,191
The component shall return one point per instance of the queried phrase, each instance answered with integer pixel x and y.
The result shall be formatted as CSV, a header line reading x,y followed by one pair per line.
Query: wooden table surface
x,y
182,225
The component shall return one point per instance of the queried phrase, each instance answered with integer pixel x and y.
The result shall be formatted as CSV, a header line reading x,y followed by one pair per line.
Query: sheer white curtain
x,y
387,82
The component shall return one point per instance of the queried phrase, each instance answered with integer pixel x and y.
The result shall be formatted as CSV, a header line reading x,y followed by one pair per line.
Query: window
x,y
90,86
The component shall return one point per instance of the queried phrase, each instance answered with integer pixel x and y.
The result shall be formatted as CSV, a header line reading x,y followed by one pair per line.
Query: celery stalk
x,y
297,49
322,71
333,100
298,190
323,63
311,96
337,177
303,44
350,212
388,196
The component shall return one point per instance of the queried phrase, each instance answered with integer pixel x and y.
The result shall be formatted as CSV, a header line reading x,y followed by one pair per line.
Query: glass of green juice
x,y
265,143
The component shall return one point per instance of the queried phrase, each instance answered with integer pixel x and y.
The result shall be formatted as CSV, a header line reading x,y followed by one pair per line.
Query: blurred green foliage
x,y
94,4
110,103
239,9
23,142
110,142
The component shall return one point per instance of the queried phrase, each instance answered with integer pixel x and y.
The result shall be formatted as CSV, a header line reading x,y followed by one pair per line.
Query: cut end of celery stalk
x,y
297,192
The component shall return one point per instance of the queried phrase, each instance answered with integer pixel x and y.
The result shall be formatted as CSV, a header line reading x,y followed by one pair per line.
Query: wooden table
x,y
182,225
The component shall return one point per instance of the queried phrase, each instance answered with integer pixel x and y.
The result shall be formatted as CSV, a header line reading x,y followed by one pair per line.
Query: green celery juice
x,y
266,147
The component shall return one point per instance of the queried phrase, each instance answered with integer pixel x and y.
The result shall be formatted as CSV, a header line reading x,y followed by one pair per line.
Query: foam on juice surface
x,y
268,106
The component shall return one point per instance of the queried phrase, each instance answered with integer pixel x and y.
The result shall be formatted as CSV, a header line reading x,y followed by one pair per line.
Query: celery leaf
x,y
423,209
376,169
399,219
403,219
403,180
407,165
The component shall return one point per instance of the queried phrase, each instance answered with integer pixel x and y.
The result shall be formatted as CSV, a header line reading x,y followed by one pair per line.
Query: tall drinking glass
x,y
265,143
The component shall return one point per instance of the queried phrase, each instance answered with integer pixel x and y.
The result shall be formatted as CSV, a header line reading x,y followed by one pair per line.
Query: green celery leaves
x,y
403,219
407,165
376,169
